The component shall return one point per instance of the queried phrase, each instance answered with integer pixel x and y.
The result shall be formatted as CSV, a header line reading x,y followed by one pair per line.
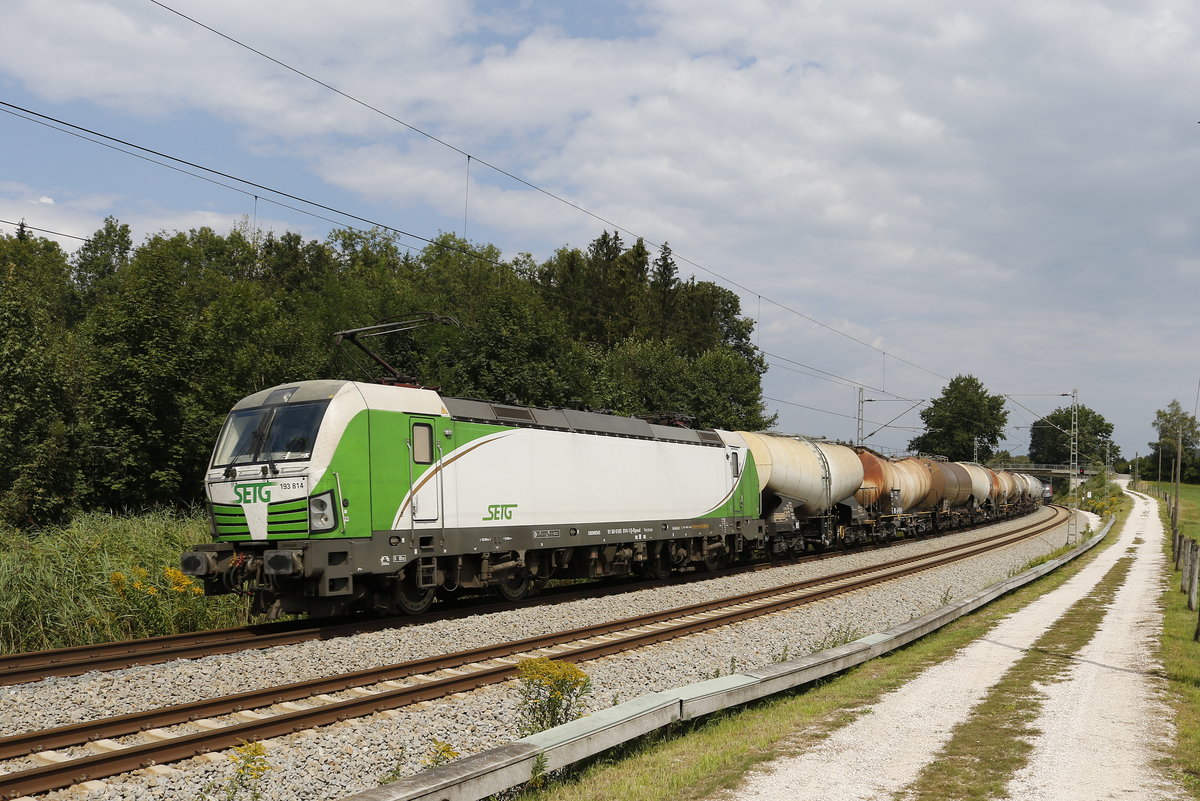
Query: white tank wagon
x,y
1033,487
813,475
981,485
805,485
955,481
915,483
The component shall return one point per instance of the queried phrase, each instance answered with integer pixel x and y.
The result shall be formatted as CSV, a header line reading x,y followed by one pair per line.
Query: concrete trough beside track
x,y
498,769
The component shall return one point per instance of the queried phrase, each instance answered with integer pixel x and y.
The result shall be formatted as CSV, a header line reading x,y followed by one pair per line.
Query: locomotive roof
x,y
575,420
496,413
300,392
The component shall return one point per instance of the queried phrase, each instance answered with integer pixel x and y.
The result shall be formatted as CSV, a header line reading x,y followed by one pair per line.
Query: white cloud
x,y
999,189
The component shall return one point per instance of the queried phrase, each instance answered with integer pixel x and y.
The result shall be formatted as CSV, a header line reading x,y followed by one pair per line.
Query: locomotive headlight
x,y
322,516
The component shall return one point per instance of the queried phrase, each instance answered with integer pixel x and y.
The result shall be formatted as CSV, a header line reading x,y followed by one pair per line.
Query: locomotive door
x,y
425,475
735,465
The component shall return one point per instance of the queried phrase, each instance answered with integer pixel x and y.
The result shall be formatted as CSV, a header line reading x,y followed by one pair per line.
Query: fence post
x,y
1185,566
1193,575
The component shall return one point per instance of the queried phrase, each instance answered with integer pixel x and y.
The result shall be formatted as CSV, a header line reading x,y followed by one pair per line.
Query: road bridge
x,y
1048,470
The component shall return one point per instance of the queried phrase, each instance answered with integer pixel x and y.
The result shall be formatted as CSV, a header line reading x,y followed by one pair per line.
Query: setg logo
x,y
258,492
500,511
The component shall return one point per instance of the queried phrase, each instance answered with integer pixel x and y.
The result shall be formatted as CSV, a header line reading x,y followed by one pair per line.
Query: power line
x,y
180,170
43,230
63,124
839,414
128,148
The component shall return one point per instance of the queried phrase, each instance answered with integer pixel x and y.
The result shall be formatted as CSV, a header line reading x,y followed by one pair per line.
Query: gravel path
x,y
348,757
1103,727
1100,729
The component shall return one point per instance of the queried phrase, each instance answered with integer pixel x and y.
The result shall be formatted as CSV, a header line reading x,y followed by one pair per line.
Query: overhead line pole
x,y
1073,479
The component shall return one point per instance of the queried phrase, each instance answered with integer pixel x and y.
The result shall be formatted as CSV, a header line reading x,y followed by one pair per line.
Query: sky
x,y
899,193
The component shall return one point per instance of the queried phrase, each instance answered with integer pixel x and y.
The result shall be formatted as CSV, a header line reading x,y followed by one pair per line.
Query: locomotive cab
x,y
289,499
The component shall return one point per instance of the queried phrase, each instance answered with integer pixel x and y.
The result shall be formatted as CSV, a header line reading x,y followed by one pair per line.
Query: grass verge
x,y
694,761
104,578
1180,654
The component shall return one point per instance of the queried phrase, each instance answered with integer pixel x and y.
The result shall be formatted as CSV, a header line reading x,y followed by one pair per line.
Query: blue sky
x,y
1006,190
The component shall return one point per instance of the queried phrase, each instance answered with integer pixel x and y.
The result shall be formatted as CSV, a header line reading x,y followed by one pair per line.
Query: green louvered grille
x,y
229,520
288,517
283,518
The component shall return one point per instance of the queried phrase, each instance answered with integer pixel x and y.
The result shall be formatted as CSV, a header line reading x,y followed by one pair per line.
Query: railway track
x,y
36,665
399,685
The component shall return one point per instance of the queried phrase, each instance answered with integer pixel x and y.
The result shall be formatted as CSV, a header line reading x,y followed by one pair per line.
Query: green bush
x,y
103,578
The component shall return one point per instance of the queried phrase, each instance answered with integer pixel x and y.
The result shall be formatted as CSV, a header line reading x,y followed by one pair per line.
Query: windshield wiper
x,y
259,440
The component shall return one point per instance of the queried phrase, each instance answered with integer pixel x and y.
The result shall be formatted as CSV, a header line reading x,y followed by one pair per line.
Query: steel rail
x,y
76,660
79,659
76,734
581,644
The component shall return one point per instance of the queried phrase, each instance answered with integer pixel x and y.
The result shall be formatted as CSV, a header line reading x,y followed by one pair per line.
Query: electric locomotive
x,y
332,496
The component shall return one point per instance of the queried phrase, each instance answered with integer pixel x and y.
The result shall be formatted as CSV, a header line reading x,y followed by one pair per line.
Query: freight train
x,y
328,497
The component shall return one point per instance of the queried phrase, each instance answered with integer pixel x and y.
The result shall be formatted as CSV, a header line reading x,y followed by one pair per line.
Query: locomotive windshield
x,y
269,434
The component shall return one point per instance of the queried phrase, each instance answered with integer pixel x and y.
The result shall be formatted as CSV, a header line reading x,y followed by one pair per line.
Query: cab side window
x,y
422,443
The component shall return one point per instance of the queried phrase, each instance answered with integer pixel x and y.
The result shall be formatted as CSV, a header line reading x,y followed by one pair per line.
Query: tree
x,y
99,258
964,414
664,292
37,473
1050,437
1174,425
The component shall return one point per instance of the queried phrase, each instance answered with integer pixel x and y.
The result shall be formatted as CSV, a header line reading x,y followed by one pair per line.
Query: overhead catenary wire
x,y
42,230
63,125
819,410
776,400
97,141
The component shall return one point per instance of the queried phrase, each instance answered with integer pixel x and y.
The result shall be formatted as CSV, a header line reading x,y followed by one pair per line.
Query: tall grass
x,y
103,578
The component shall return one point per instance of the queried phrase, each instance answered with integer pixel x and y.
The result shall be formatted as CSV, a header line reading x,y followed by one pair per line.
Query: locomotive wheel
x,y
659,565
715,560
515,587
411,599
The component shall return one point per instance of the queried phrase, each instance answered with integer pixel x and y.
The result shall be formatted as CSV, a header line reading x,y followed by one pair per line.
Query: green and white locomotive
x,y
332,496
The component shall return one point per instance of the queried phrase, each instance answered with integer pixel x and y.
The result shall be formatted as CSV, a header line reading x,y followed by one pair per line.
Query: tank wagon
x,y
331,496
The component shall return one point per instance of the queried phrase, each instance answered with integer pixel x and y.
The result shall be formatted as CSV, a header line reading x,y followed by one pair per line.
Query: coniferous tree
x,y
664,292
